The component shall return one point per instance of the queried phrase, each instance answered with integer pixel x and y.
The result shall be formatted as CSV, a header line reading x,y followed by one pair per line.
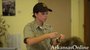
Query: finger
x,y
62,36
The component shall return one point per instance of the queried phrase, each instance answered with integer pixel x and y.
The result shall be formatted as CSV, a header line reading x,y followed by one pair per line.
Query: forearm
x,y
35,40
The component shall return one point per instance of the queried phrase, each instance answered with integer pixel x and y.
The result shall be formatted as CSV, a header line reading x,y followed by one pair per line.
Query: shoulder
x,y
30,24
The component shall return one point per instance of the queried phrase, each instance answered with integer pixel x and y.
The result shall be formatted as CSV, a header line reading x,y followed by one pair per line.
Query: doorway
x,y
87,22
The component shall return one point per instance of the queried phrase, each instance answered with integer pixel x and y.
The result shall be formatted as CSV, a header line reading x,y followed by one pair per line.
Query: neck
x,y
39,22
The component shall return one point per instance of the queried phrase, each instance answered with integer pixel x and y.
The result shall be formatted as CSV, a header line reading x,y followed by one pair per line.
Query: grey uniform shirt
x,y
34,30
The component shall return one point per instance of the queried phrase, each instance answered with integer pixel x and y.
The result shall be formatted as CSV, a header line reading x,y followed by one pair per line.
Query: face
x,y
41,16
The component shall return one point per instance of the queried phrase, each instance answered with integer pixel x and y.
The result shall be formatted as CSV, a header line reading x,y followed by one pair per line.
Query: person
x,y
37,34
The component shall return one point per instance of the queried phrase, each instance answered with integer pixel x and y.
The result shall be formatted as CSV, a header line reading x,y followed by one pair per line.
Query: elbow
x,y
27,41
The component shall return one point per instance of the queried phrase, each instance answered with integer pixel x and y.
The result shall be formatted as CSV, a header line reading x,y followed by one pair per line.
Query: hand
x,y
53,35
61,36
57,40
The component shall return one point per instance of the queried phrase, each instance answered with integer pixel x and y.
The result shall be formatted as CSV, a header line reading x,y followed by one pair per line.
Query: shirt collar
x,y
36,25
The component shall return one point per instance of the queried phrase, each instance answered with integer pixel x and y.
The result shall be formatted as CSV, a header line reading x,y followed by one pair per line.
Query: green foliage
x,y
3,26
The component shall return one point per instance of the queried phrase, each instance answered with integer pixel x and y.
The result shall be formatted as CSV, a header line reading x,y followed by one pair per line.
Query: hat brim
x,y
50,10
44,9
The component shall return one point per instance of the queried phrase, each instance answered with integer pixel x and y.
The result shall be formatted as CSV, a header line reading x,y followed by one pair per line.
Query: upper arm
x,y
27,33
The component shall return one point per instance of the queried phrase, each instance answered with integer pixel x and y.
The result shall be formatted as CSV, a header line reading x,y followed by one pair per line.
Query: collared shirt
x,y
34,30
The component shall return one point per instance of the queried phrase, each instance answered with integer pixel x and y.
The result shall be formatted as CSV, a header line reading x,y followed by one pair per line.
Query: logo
x,y
74,47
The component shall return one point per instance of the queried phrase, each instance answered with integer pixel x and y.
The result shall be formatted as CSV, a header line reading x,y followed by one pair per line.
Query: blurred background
x,y
69,17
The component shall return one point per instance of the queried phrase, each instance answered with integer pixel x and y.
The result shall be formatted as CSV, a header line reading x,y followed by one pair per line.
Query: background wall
x,y
17,22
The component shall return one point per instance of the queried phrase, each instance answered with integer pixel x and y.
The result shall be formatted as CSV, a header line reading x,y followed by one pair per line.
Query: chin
x,y
44,21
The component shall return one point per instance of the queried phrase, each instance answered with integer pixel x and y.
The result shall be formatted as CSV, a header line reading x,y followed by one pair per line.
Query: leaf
x,y
3,26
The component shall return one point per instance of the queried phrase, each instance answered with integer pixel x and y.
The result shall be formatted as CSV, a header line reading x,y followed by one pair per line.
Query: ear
x,y
36,14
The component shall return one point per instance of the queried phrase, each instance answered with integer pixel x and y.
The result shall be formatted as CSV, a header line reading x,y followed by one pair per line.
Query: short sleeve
x,y
28,32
